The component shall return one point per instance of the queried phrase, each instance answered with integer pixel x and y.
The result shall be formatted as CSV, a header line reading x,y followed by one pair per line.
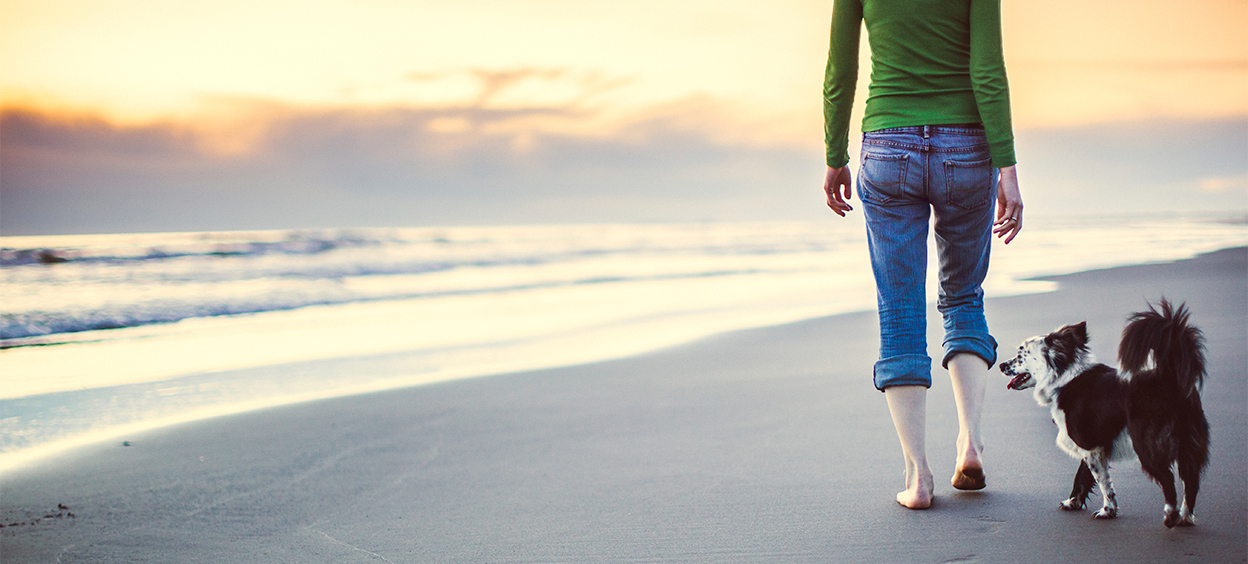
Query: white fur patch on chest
x,y
1122,449
1064,441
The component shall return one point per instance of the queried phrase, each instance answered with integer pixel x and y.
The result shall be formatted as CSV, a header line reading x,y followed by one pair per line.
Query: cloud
x,y
518,87
1153,165
1225,183
393,166
1131,66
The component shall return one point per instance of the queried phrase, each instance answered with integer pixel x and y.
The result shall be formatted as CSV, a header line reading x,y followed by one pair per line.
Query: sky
x,y
170,115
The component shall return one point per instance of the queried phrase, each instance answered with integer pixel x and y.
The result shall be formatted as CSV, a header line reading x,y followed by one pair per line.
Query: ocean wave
x,y
28,328
70,284
211,245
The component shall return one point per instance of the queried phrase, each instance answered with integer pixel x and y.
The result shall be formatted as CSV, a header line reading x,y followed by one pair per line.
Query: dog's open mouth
x,y
1018,381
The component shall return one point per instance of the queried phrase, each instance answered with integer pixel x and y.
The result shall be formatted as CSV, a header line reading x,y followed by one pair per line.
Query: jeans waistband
x,y
956,128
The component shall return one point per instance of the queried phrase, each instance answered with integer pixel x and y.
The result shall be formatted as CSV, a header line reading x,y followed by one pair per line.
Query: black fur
x,y
1176,346
1167,421
1095,403
1082,487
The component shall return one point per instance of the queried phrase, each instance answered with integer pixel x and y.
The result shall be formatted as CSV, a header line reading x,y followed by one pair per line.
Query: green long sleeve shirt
x,y
933,62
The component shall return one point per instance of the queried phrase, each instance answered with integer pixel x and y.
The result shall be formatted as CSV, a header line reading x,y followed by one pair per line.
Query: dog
x,y
1153,406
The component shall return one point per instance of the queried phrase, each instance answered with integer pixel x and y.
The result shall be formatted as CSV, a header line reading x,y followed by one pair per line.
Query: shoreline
x,y
28,456
757,442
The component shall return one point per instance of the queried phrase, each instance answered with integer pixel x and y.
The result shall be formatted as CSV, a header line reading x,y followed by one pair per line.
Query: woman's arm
x,y
988,80
840,78
992,98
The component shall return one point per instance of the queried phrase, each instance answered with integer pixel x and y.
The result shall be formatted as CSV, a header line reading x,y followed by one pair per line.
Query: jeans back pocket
x,y
968,184
882,179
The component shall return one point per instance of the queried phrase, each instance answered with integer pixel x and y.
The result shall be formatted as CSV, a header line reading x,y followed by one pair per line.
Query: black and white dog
x,y
1154,406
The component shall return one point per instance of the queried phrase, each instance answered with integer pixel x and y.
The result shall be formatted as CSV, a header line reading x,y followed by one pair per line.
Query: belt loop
x,y
927,129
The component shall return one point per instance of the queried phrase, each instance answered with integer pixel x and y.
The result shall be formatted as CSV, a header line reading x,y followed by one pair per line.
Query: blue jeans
x,y
908,174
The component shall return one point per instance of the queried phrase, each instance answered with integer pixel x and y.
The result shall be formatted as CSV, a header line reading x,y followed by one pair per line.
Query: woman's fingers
x,y
1009,205
1010,223
1011,230
1002,211
836,205
836,180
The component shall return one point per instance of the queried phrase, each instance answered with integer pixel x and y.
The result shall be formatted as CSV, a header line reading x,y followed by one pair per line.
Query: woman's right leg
x,y
908,406
890,186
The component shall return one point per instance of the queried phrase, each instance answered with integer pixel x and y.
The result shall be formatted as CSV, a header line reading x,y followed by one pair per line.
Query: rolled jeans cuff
x,y
978,344
903,370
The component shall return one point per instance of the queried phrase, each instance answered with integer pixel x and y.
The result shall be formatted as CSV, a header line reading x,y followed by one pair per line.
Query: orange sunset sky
x,y
135,115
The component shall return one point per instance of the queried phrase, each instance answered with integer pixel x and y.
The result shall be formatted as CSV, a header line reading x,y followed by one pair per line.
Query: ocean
x,y
104,336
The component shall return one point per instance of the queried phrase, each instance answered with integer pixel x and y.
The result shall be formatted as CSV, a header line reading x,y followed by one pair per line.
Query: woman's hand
x,y
1009,206
838,182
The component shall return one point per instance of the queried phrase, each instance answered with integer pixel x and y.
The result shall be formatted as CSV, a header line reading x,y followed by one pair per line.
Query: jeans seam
x,y
920,147
947,129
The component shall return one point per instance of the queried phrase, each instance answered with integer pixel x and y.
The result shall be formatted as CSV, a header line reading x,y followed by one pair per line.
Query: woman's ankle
x,y
920,489
970,451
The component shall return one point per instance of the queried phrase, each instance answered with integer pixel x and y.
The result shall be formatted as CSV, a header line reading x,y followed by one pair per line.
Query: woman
x,y
937,142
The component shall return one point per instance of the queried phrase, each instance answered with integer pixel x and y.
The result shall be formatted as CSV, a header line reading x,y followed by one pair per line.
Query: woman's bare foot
x,y
918,493
969,472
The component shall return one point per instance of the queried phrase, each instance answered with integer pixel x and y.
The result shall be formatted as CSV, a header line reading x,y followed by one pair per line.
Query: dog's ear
x,y
1064,346
1076,335
1080,332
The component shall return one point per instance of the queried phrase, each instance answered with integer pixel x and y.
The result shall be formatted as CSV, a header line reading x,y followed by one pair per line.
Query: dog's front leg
x,y
1083,486
1098,463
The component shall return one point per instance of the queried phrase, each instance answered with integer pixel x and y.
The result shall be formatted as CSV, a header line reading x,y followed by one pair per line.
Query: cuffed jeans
x,y
908,174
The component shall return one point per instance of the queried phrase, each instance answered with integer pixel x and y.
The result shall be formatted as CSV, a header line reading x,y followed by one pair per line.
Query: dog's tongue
x,y
1017,380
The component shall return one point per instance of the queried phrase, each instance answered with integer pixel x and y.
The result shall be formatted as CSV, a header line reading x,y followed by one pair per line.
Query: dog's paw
x,y
1072,504
1171,516
1187,520
1106,513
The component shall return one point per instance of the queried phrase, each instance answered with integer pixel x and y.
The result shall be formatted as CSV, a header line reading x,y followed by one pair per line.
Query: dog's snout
x,y
1004,366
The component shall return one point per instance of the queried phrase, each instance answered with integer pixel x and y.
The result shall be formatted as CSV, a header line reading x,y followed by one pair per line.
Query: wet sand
x,y
762,445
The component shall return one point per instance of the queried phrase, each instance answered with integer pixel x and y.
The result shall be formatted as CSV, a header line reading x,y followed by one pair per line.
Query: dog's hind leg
x,y
1193,454
1098,463
1160,472
1083,486
1190,473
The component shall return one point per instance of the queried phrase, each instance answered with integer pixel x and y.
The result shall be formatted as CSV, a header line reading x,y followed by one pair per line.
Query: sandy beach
x,y
764,445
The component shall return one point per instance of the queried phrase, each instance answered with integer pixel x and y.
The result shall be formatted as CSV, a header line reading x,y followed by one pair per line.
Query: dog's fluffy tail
x,y
1177,348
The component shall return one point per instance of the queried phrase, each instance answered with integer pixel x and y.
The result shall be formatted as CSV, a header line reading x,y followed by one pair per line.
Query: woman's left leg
x,y
969,374
963,194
